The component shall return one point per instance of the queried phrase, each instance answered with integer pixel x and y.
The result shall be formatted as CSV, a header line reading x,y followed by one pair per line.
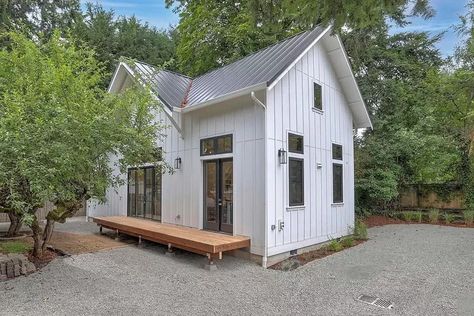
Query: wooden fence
x,y
425,197
42,212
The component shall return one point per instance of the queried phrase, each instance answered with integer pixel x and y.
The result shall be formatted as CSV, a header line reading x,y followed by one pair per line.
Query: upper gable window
x,y
318,96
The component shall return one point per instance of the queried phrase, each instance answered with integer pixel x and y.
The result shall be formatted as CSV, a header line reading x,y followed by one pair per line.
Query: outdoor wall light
x,y
282,156
177,163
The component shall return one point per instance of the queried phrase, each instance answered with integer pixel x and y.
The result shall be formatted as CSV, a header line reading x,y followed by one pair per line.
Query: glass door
x,y
218,195
144,193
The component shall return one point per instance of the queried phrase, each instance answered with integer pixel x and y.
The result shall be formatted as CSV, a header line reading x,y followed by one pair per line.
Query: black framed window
x,y
295,143
337,183
336,152
216,145
296,181
318,96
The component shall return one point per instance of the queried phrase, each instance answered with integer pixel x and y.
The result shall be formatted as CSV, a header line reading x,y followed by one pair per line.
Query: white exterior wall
x,y
290,109
182,196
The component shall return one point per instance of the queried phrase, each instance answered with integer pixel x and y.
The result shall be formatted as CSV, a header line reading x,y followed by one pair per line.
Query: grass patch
x,y
433,216
468,217
14,247
407,216
360,230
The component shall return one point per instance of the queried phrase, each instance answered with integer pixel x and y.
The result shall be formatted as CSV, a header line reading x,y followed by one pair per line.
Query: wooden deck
x,y
194,240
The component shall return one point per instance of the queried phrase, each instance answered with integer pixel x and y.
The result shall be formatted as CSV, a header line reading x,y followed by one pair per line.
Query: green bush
x,y
448,218
433,215
335,246
347,242
360,230
468,217
417,216
407,216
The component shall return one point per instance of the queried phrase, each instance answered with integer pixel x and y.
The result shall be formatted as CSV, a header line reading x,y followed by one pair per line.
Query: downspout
x,y
260,103
256,100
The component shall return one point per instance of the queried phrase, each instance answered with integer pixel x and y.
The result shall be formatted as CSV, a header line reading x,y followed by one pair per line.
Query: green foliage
x,y
433,216
417,216
347,242
14,247
335,246
468,216
360,230
407,216
448,217
59,129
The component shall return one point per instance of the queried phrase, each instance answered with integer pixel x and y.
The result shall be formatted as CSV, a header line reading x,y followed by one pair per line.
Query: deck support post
x,y
100,229
170,251
210,266
140,244
117,237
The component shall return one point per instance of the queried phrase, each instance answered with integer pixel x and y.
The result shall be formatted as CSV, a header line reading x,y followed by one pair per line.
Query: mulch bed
x,y
380,220
47,257
304,258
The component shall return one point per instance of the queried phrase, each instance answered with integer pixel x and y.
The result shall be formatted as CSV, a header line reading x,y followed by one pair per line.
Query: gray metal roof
x,y
261,67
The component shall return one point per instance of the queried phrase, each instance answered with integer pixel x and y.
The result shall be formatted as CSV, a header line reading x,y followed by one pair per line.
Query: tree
x,y
59,130
39,18
113,37
213,33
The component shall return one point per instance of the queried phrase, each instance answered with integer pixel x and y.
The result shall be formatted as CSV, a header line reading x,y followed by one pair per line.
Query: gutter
x,y
257,101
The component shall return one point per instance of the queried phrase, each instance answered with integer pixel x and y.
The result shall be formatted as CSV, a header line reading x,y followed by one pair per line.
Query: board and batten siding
x,y
290,109
182,195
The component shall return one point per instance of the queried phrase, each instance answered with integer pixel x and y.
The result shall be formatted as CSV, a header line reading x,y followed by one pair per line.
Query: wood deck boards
x,y
190,239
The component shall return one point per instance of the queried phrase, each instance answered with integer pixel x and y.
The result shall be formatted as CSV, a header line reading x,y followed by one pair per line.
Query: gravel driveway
x,y
422,269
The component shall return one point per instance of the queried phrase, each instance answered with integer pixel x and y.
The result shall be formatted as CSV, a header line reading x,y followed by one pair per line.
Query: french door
x,y
144,193
218,195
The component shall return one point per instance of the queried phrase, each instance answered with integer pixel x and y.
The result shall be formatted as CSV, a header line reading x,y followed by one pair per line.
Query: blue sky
x,y
447,12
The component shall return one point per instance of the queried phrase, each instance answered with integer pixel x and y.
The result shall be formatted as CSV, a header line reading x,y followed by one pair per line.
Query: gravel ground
x,y
422,269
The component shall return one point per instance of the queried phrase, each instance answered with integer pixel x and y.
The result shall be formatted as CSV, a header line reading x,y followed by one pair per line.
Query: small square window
x,y
336,152
318,97
207,146
295,143
224,144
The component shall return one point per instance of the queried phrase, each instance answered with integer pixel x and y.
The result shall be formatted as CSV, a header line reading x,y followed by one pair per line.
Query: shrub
x,y
407,216
360,230
347,242
417,216
468,217
433,215
448,218
335,246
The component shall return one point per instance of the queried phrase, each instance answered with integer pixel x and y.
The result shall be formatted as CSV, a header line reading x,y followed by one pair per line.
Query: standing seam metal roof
x,y
261,67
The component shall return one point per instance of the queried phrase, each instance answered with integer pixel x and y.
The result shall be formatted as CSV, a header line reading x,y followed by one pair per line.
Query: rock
x,y
16,270
3,268
10,271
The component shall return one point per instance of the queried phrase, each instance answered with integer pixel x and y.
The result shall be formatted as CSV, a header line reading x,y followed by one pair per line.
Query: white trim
x,y
217,156
352,77
298,58
224,97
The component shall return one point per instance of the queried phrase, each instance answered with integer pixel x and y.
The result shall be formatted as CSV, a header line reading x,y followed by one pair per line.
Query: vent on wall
x,y
293,252
375,301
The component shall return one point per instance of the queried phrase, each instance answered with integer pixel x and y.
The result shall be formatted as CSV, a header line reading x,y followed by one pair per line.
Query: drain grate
x,y
376,301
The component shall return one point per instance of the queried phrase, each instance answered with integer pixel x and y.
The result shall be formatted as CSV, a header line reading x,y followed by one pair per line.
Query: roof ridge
x,y
163,69
256,52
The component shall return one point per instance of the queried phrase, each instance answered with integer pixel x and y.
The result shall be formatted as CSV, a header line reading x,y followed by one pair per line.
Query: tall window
x,y
337,174
295,170
318,96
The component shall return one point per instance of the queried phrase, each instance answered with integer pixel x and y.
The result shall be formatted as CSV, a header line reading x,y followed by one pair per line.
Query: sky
x,y
447,14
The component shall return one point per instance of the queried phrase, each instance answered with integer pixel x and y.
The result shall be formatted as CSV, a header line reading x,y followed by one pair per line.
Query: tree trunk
x,y
37,234
48,232
15,224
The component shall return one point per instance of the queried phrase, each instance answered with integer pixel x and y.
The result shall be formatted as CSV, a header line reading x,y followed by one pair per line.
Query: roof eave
x,y
225,97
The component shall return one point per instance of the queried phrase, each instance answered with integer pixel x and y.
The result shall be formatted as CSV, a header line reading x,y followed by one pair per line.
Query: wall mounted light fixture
x,y
177,163
282,156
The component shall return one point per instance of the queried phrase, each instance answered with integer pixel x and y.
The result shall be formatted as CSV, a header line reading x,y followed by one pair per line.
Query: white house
x,y
264,147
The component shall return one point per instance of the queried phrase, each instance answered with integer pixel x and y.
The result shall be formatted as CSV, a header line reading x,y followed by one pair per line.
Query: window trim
x,y
341,162
317,109
302,204
214,140
302,143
